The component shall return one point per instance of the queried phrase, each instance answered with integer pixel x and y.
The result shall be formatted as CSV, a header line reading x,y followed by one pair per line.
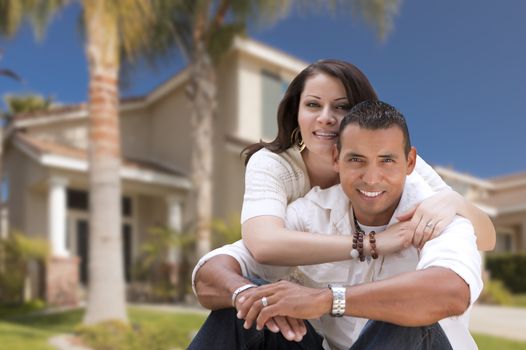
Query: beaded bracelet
x,y
372,243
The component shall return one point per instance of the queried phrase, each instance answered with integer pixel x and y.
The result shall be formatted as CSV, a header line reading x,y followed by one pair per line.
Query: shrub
x,y
495,292
510,269
154,277
16,253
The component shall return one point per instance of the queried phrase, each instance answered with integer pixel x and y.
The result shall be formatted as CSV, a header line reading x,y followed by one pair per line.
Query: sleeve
x,y
456,249
296,214
265,192
249,266
430,176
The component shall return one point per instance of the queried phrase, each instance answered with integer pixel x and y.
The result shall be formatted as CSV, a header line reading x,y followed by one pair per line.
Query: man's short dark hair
x,y
375,115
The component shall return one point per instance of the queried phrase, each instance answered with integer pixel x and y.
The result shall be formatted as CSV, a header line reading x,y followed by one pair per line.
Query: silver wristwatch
x,y
338,300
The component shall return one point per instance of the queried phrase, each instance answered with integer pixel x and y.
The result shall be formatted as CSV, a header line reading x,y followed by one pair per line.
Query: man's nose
x,y
371,175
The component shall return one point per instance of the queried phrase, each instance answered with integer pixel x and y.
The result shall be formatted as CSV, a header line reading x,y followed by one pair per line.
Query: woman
x,y
300,158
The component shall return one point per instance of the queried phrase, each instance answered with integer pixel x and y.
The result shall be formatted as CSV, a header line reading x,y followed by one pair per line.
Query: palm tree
x,y
111,27
27,103
203,30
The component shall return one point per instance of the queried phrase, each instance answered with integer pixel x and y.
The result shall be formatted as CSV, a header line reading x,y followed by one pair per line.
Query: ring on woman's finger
x,y
430,225
264,301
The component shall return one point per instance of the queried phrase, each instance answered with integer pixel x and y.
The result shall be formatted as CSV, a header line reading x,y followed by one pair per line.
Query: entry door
x,y
83,248
82,228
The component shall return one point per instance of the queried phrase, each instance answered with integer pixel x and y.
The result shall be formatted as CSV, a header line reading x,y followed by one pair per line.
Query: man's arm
x,y
216,280
411,299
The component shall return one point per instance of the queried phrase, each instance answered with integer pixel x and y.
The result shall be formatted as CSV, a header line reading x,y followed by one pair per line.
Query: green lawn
x,y
33,332
519,300
486,342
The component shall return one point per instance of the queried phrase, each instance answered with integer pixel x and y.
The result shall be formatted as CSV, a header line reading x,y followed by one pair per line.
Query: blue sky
x,y
456,69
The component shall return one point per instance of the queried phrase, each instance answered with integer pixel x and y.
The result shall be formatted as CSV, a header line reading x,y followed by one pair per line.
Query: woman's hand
x,y
432,216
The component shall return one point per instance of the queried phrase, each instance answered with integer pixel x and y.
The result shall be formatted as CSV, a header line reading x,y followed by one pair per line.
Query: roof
x,y
248,46
505,202
53,154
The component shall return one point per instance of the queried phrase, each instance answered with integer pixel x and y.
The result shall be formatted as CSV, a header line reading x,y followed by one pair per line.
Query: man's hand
x,y
291,328
284,299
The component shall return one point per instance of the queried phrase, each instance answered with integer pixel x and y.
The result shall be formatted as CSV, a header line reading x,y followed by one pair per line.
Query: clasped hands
x,y
288,304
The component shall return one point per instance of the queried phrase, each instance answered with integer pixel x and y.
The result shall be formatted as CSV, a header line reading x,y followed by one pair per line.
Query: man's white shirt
x,y
327,211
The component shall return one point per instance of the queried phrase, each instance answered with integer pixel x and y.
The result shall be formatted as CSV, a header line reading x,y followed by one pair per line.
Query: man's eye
x,y
388,160
354,159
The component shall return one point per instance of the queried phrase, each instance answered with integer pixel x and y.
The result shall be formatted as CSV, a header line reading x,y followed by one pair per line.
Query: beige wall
x,y
25,196
171,130
136,134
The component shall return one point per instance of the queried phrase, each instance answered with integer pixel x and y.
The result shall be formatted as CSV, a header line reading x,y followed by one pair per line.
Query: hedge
x,y
510,269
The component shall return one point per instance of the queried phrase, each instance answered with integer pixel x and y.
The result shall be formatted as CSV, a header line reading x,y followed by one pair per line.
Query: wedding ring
x,y
264,301
429,225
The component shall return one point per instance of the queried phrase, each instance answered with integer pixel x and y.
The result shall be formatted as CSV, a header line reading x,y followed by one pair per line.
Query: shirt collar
x,y
334,200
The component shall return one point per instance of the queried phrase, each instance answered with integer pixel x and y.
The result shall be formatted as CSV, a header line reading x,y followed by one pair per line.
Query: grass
x,y
519,300
33,332
486,342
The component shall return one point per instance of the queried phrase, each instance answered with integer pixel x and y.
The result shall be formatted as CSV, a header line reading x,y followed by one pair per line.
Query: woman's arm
x,y
271,243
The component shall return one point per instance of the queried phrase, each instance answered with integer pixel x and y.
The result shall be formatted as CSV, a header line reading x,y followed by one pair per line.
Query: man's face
x,y
373,167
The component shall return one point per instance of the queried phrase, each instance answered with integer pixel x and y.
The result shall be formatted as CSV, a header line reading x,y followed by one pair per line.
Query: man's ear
x,y
335,157
411,160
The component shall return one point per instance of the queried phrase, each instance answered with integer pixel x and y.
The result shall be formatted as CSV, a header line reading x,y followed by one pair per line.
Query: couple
x,y
447,281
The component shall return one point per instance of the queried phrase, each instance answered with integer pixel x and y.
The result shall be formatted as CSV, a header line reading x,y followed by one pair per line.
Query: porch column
x,y
57,216
175,222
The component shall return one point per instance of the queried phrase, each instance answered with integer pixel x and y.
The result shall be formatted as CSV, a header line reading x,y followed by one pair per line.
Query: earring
x,y
295,139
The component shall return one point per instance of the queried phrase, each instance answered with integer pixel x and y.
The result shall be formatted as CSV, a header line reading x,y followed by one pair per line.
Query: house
x,y
45,166
502,198
45,160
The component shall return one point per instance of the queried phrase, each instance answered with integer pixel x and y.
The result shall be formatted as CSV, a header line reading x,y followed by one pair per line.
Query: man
x,y
373,158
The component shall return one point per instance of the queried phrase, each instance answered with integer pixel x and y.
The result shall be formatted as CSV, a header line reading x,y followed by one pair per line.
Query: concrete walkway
x,y
505,322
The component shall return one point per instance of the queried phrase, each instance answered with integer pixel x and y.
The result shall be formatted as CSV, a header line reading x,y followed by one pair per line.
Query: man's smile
x,y
371,194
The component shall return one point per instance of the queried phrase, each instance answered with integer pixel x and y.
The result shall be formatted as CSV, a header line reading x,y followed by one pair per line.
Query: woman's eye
x,y
344,107
312,104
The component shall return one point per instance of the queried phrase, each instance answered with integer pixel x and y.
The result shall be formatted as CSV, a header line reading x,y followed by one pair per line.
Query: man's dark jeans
x,y
224,331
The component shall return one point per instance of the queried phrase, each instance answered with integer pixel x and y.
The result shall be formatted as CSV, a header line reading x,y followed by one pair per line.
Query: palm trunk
x,y
106,296
202,92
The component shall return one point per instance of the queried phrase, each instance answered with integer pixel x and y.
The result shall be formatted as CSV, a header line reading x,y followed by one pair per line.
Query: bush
x,y
16,253
510,269
495,292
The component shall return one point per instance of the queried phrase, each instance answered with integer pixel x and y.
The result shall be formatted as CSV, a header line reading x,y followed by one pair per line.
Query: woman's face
x,y
323,104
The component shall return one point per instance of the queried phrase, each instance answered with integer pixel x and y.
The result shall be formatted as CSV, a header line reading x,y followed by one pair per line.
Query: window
x,y
79,200
272,91
504,242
